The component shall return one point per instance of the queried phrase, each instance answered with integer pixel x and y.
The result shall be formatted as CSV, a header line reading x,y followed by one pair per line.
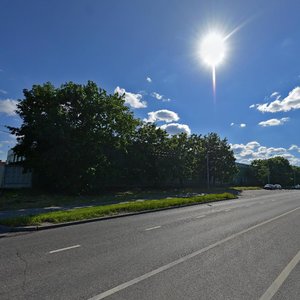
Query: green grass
x,y
246,188
24,198
109,210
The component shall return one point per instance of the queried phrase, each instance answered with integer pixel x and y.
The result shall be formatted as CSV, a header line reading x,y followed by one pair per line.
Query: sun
x,y
213,49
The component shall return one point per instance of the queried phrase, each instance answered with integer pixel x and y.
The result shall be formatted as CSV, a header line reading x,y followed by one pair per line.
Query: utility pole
x,y
207,168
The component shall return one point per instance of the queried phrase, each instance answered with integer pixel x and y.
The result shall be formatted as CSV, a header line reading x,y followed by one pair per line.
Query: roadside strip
x,y
170,265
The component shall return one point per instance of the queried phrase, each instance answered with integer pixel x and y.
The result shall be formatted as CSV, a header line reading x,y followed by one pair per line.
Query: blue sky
x,y
119,44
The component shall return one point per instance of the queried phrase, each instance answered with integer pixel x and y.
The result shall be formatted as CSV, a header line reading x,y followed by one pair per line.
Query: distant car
x,y
269,186
297,186
277,186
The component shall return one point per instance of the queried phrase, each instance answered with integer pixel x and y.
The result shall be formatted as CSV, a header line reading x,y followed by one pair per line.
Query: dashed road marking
x,y
201,216
64,249
152,228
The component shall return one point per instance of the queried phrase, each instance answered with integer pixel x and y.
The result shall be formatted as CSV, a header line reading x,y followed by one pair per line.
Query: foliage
x,y
274,170
78,138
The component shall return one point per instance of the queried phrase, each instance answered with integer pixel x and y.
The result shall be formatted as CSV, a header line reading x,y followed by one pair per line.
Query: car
x,y
297,187
269,186
277,186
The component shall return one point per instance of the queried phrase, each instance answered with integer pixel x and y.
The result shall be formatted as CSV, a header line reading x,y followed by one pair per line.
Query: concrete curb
x,y
50,226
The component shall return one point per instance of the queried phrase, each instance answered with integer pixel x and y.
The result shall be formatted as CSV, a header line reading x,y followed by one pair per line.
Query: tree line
x,y
79,138
274,170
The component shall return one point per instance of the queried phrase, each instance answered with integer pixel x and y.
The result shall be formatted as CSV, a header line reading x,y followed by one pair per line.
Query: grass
x,y
24,198
109,210
246,188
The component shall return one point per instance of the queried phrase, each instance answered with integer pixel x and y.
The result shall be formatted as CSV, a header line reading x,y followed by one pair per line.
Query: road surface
x,y
238,249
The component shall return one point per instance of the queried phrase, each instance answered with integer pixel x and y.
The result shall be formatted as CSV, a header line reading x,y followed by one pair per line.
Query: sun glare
x,y
213,49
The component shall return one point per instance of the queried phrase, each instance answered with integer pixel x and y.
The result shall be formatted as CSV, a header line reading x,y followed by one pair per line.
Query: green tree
x,y
273,170
220,161
70,135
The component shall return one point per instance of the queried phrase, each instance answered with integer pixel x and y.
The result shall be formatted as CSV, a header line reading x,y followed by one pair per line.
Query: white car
x,y
269,186
277,186
297,186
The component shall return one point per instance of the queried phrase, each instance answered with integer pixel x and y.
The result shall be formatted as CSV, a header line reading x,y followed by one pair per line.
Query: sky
x,y
150,50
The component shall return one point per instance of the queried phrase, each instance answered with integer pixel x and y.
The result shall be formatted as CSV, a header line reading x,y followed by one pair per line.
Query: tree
x,y
273,170
70,135
220,160
261,170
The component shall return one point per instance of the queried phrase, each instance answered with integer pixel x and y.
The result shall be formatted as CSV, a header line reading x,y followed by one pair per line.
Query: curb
x,y
58,225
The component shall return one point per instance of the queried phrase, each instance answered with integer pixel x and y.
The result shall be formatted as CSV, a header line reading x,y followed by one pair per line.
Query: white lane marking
x,y
201,216
182,259
274,287
64,249
151,228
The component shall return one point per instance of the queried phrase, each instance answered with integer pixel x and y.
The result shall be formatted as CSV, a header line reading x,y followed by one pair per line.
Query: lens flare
x,y
213,49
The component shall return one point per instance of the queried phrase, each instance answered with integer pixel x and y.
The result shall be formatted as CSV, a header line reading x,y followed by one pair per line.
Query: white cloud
x,y
175,128
242,125
294,148
291,101
231,124
162,115
157,96
8,106
149,79
275,95
3,92
160,97
134,100
273,122
252,105
245,153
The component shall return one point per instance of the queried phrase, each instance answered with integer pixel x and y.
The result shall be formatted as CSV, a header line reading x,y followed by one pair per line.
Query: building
x,y
12,174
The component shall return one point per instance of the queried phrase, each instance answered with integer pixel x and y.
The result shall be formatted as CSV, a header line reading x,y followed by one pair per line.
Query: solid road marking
x,y
274,287
183,259
64,249
151,228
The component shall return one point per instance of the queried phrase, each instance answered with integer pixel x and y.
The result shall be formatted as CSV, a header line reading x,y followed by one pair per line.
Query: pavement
x,y
246,248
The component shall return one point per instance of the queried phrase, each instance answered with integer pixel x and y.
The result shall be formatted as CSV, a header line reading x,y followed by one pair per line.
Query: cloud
x,y
290,102
149,79
160,97
8,106
242,125
245,153
252,105
134,100
275,95
294,148
162,115
3,92
175,128
273,122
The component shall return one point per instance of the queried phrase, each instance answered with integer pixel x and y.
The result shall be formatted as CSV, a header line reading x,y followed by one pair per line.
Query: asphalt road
x,y
238,249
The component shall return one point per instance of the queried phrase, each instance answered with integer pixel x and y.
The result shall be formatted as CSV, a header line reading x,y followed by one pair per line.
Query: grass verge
x,y
246,188
109,210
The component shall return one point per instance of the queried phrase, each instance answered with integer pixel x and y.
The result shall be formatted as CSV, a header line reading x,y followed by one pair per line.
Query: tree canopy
x,y
274,170
79,138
